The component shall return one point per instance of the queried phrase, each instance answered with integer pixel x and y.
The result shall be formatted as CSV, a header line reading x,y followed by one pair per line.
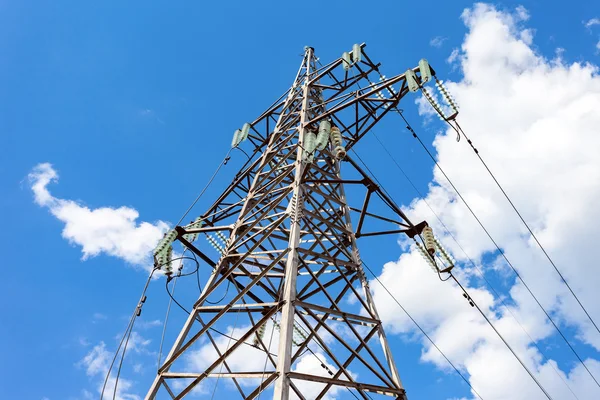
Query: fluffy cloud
x,y
113,231
438,41
96,364
591,22
534,120
249,358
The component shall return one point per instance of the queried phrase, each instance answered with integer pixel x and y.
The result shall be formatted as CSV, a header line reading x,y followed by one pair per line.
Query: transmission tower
x,y
289,274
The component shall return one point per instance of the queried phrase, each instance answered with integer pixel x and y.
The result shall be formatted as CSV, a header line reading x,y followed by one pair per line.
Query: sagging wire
x,y
162,337
304,335
445,118
519,277
171,300
125,338
533,235
428,237
237,316
422,330
224,162
480,272
185,310
222,297
230,337
262,378
457,128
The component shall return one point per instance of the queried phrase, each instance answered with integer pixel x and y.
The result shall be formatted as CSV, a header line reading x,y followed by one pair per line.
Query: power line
x,y
212,329
524,223
410,129
115,356
121,361
224,162
162,338
473,303
422,330
136,312
487,282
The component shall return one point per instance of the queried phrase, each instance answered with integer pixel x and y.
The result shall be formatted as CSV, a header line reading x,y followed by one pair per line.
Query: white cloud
x,y
438,41
249,358
535,122
454,55
138,343
96,364
137,368
98,317
97,360
521,13
591,22
149,324
244,358
113,231
311,364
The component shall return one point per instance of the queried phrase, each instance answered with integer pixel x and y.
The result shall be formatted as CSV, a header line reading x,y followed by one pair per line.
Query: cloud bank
x,y
535,121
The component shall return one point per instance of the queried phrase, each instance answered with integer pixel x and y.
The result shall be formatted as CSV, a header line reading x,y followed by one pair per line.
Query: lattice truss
x,y
298,306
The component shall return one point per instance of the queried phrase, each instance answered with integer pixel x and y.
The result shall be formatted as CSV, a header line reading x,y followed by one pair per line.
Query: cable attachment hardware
x,y
273,164
215,244
351,58
164,252
222,237
298,335
389,89
196,224
469,299
429,249
309,144
240,135
428,257
336,140
445,255
434,103
449,99
138,308
323,135
429,240
260,334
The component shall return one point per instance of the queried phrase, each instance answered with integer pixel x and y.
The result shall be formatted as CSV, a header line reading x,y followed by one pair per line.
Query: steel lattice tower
x,y
290,264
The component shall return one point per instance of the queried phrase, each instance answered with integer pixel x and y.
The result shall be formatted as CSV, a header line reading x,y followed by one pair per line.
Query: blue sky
x,y
134,106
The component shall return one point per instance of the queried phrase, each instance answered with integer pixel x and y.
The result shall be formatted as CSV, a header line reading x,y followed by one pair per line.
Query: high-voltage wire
x,y
212,329
162,338
374,177
487,282
136,312
524,222
510,348
225,160
457,128
473,303
422,330
410,129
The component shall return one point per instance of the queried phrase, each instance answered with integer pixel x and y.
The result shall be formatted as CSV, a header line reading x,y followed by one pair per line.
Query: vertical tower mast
x,y
282,383
294,293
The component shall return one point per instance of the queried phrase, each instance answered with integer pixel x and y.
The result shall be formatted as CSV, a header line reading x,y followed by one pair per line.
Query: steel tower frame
x,y
290,251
